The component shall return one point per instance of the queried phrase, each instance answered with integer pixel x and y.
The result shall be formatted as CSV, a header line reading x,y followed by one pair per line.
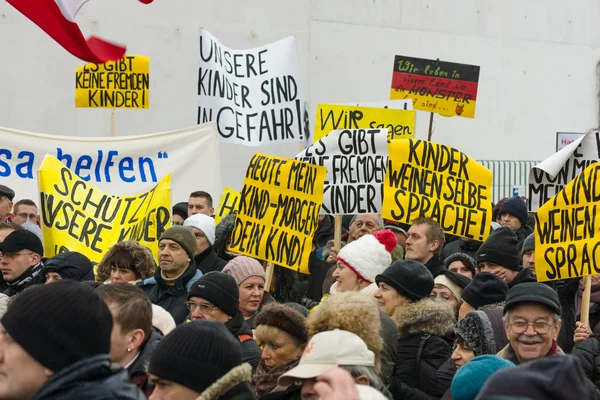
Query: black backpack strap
x,y
419,356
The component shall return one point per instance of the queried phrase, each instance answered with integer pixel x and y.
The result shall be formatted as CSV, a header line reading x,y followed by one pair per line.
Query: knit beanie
x,y
220,289
515,206
485,288
411,279
470,378
465,259
453,281
558,377
59,324
204,223
181,209
500,248
284,318
528,244
35,229
242,268
369,255
196,354
183,236
476,330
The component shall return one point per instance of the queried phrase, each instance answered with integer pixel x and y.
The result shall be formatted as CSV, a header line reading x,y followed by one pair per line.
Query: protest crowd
x,y
399,311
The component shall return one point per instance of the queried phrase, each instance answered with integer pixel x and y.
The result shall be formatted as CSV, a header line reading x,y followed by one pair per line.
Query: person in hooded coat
x,y
69,265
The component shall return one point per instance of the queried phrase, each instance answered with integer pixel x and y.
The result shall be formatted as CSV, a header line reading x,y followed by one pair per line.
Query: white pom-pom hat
x,y
370,255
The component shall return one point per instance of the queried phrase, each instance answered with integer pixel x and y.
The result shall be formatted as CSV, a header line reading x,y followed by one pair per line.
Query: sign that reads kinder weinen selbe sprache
x,y
566,230
278,211
445,88
426,179
116,84
253,95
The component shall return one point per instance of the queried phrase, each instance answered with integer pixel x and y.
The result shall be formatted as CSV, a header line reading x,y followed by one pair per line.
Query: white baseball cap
x,y
327,350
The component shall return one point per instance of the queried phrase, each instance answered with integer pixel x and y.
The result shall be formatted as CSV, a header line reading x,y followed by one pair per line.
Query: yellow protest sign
x,y
77,216
229,204
566,227
399,123
278,211
425,179
116,84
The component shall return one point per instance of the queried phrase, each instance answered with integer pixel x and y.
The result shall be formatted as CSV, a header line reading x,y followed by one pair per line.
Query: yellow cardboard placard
x,y
229,203
278,212
400,123
77,216
116,84
566,230
425,179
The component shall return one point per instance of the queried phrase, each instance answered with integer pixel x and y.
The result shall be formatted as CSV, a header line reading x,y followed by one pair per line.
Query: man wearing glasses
x,y
532,322
25,211
21,261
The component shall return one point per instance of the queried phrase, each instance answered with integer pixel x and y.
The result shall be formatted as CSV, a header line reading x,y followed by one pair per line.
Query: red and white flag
x,y
57,19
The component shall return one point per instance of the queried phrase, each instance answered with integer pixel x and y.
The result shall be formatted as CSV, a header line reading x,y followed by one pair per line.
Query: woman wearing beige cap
x,y
250,277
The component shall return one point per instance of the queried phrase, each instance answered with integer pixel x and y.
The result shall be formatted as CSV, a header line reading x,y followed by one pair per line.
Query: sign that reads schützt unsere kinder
x,y
566,230
77,216
426,179
445,88
278,211
253,95
356,160
116,84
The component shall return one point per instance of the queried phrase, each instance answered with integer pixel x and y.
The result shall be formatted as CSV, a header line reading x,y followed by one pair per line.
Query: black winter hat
x,y
22,240
515,206
410,278
181,209
59,324
476,329
558,377
220,289
500,248
532,292
484,289
196,355
71,265
465,259
528,244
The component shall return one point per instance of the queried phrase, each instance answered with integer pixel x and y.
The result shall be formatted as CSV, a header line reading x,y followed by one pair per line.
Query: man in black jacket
x,y
175,274
21,261
54,344
203,227
425,243
215,297
513,214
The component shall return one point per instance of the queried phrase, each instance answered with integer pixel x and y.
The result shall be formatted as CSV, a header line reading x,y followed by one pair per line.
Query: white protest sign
x,y
356,161
551,175
253,95
124,165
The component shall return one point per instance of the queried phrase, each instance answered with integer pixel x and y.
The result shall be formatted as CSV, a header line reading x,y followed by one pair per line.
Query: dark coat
x,y
70,265
460,246
567,289
292,393
138,371
522,234
389,334
422,328
524,275
39,279
208,261
172,298
91,378
434,266
318,271
250,351
324,231
588,354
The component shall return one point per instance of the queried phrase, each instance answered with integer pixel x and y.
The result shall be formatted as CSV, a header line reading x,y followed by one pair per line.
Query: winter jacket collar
x,y
509,354
208,261
191,275
238,326
140,365
427,316
31,276
524,275
91,378
434,266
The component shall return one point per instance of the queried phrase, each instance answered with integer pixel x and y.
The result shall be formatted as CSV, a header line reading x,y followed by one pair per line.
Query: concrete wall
x,y
538,65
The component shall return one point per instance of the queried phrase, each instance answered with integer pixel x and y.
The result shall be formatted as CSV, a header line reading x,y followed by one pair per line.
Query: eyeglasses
x,y
13,255
541,327
204,308
27,216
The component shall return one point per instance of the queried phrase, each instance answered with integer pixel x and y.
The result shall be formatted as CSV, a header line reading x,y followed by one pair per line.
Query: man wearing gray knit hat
x,y
176,272
528,253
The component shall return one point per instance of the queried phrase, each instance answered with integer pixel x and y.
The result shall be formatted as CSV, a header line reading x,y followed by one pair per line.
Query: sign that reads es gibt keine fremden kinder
x,y
253,95
445,88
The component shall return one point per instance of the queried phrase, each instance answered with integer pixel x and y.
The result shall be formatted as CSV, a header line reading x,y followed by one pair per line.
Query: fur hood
x,y
142,259
494,306
219,390
426,316
353,312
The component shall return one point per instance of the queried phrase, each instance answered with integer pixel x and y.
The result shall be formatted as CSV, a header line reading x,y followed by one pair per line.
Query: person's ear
x,y
362,380
136,339
433,246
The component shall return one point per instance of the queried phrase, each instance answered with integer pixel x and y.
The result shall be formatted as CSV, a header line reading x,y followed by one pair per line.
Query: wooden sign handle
x,y
585,301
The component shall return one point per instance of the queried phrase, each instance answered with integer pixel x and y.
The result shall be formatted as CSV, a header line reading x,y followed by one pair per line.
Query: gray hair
x,y
374,380
379,220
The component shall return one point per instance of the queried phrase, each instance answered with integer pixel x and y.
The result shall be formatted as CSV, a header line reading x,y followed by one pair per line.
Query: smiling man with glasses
x,y
532,322
21,261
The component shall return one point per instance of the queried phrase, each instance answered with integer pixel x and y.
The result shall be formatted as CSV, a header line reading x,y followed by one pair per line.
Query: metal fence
x,y
508,176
